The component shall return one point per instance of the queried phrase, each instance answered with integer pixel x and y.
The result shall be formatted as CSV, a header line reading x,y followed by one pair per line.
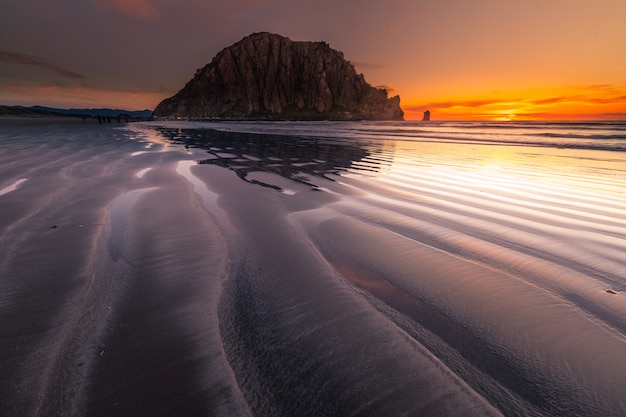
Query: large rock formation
x,y
269,76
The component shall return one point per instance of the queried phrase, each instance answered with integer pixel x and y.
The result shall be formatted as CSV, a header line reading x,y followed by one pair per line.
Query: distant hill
x,y
268,76
27,111
50,111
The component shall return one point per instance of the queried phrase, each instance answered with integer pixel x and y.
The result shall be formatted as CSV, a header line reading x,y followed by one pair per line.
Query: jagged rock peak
x,y
265,75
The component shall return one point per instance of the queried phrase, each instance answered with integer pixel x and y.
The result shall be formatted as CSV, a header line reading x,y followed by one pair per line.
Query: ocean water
x,y
322,269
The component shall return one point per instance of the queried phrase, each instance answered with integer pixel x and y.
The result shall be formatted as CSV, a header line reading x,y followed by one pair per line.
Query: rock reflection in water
x,y
295,158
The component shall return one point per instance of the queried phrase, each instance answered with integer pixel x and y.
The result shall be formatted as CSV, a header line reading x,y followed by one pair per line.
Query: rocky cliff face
x,y
269,76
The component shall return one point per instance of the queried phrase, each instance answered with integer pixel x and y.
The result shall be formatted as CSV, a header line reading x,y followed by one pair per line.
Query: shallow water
x,y
316,269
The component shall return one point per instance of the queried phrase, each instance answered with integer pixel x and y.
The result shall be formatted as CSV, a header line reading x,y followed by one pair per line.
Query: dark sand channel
x,y
172,272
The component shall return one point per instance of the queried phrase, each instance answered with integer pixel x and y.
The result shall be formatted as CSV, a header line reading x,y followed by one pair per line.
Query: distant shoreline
x,y
29,120
32,119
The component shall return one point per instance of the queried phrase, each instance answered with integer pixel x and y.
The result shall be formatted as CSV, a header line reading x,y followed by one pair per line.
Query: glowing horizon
x,y
596,102
590,103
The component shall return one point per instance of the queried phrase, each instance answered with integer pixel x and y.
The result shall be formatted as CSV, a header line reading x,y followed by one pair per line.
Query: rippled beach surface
x,y
313,269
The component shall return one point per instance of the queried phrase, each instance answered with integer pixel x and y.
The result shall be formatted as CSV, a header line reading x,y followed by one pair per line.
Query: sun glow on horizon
x,y
599,102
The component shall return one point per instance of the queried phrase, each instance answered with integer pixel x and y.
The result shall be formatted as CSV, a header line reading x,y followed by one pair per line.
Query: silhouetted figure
x,y
426,117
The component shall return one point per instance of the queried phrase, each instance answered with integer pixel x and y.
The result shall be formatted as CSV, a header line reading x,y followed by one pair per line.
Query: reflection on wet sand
x,y
299,159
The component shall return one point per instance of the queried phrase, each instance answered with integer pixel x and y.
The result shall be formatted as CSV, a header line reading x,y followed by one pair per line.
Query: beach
x,y
322,269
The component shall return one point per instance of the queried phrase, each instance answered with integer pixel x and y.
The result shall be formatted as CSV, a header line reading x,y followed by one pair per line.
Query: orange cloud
x,y
389,88
451,104
61,96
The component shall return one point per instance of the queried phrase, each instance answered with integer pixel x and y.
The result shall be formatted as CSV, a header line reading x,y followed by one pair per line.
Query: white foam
x,y
12,187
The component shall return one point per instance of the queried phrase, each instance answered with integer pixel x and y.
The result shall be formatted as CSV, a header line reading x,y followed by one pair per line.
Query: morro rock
x,y
268,76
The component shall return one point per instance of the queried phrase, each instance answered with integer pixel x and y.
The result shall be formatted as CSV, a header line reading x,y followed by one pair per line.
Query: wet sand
x,y
136,282
110,280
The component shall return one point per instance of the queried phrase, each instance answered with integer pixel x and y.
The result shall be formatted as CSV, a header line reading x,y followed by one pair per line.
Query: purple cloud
x,y
23,59
137,8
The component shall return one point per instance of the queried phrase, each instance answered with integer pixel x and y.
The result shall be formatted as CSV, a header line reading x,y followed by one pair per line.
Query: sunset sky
x,y
479,59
